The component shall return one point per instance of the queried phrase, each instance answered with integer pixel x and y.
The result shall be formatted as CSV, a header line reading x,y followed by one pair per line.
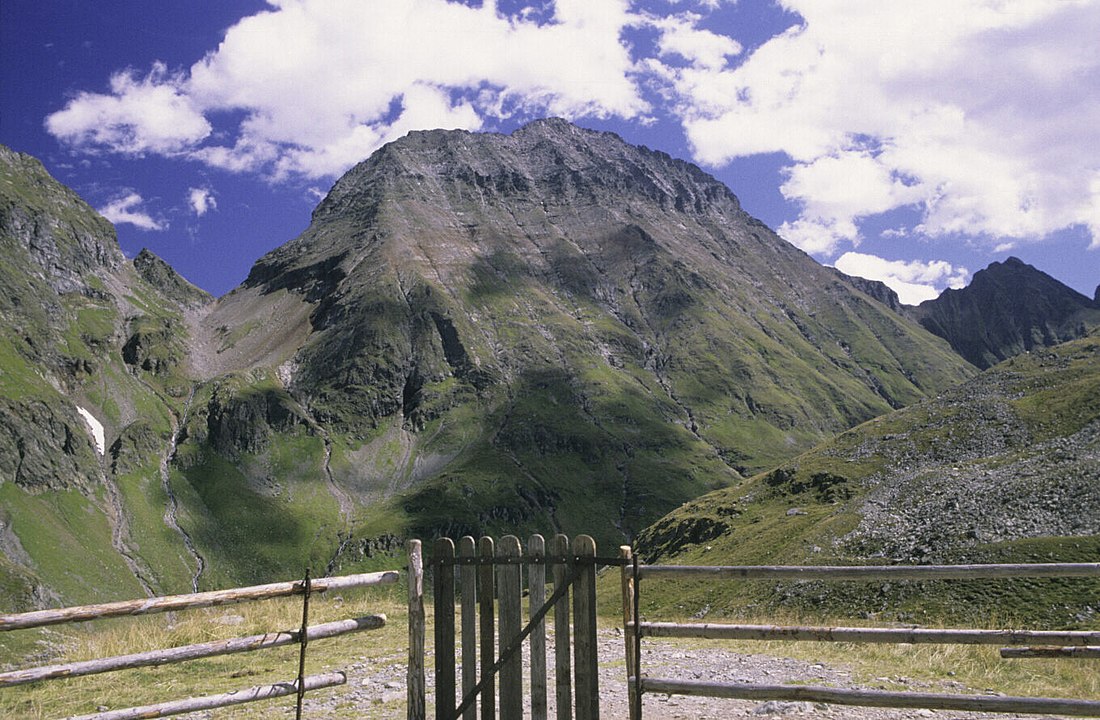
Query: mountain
x,y
1003,468
87,344
1007,309
552,330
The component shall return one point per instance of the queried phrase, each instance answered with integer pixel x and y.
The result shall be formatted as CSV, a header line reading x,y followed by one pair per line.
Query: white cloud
x,y
127,209
680,36
202,200
322,83
913,281
140,115
977,113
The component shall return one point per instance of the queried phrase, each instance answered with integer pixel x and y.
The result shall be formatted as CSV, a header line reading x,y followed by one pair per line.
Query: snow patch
x,y
96,427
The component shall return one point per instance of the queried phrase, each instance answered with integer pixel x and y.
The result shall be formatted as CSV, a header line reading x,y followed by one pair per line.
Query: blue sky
x,y
913,143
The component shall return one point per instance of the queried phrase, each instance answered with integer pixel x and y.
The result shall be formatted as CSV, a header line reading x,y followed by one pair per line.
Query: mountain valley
x,y
547,331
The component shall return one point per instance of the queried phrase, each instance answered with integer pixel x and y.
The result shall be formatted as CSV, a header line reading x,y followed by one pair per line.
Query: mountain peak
x,y
1008,308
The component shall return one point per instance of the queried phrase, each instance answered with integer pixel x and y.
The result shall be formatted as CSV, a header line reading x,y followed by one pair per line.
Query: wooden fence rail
x,y
165,656
192,601
1075,644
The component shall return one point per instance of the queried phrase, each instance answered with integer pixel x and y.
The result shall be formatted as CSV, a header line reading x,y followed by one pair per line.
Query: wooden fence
x,y
487,572
1069,644
306,633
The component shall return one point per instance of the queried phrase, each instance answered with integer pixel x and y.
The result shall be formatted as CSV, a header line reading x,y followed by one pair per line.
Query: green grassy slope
x,y
1004,468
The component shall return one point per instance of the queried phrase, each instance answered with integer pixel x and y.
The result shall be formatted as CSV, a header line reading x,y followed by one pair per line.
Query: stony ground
x,y
377,689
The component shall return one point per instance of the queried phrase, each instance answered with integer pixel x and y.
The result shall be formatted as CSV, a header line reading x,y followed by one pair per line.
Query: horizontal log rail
x,y
211,702
713,631
526,560
1080,653
870,572
1075,644
184,653
874,698
145,606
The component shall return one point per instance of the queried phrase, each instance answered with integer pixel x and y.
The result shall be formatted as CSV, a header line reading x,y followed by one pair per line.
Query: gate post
x,y
630,632
415,686
586,670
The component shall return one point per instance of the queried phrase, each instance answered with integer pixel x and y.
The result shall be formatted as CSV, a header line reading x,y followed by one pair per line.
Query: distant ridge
x,y
1008,308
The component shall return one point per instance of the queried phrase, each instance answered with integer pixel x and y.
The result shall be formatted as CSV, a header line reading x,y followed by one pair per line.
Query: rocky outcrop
x,y
171,284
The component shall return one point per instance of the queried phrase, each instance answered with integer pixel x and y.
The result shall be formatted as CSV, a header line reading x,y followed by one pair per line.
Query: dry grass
x,y
128,688
892,666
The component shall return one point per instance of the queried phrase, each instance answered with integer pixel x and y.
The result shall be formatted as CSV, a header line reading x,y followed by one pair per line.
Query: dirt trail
x,y
376,689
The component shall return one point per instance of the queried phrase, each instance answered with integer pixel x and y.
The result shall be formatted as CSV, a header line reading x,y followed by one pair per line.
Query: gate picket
x,y
536,596
487,624
563,687
508,595
467,549
443,586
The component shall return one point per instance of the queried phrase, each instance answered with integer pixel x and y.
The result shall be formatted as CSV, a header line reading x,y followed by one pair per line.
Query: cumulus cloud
x,y
201,200
973,112
128,209
322,83
913,281
151,114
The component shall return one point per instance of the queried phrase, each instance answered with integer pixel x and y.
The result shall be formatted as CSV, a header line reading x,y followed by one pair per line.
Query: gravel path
x,y
377,689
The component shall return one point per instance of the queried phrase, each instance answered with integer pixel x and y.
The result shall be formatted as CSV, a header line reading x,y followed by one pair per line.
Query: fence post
x,y
487,625
468,591
303,642
443,587
563,690
630,631
415,686
511,614
586,666
536,596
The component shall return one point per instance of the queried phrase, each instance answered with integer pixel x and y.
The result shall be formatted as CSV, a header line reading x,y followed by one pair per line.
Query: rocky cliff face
x,y
1007,309
83,336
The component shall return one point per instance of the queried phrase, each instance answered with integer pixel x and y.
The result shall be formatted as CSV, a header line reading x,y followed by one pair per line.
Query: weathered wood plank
x,y
870,572
210,702
487,625
563,686
875,698
509,592
1076,653
467,548
416,685
715,631
627,585
443,593
586,675
184,653
536,597
145,606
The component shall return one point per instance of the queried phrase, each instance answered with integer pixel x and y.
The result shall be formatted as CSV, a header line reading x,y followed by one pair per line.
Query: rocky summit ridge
x,y
548,330
1008,308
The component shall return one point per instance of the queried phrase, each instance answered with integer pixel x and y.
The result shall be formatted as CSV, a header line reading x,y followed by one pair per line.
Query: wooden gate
x,y
487,577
